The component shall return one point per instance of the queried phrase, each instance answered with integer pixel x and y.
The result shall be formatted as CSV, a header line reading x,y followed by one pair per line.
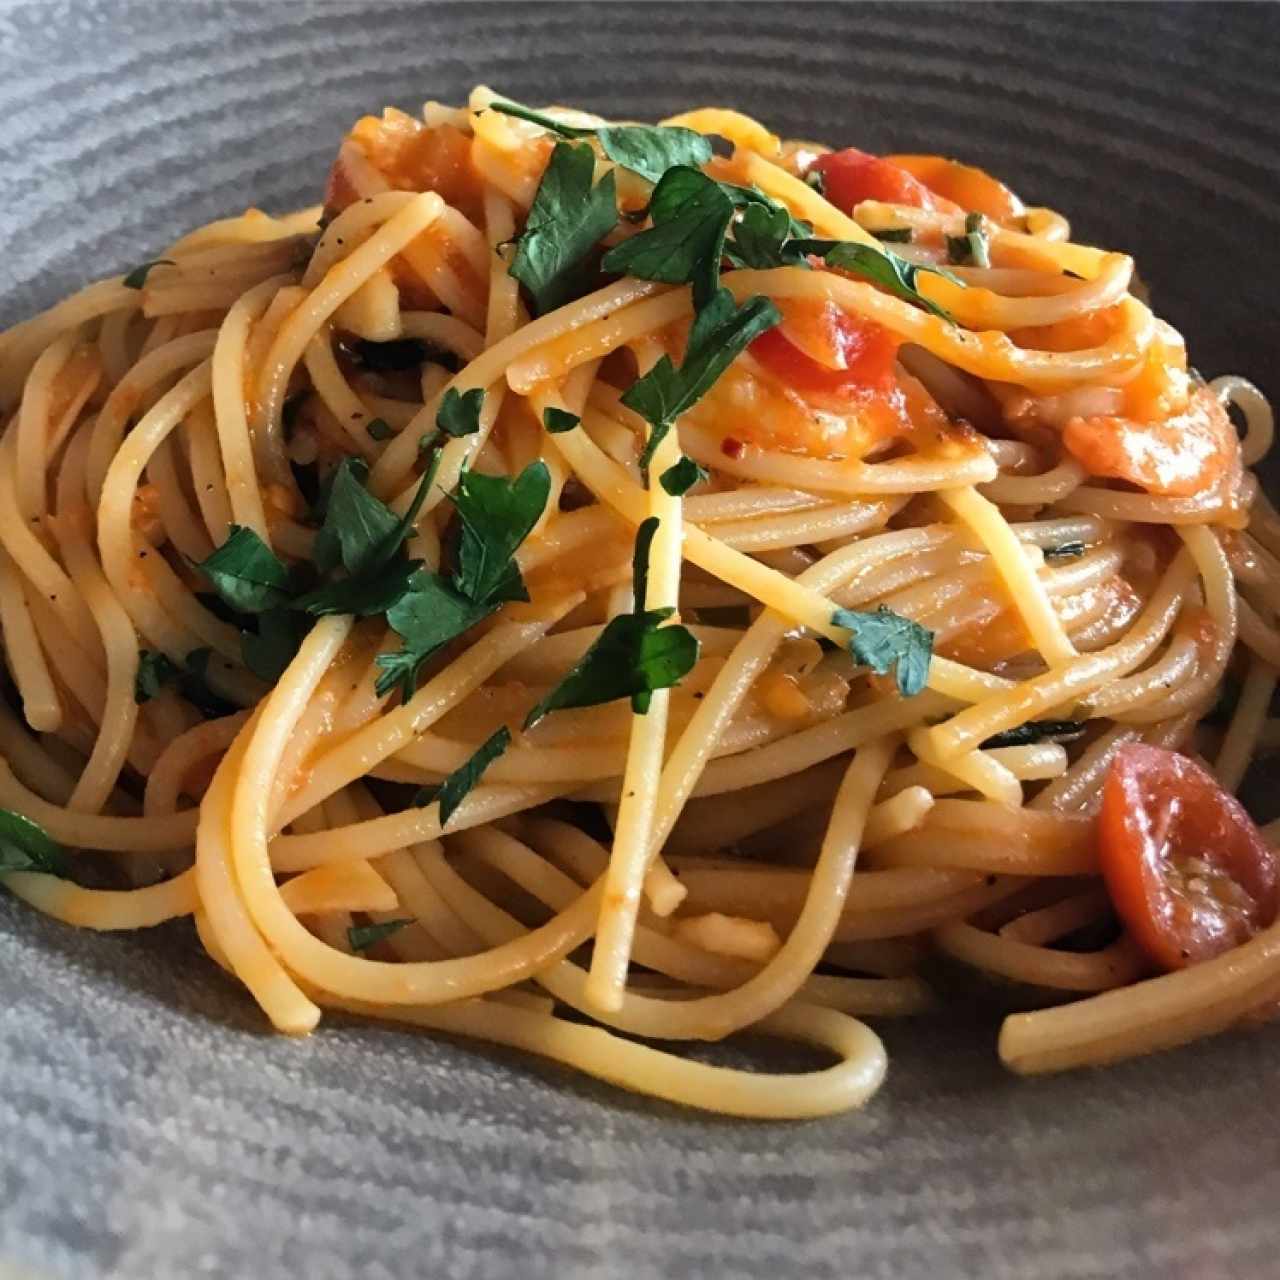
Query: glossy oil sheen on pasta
x,y
776,836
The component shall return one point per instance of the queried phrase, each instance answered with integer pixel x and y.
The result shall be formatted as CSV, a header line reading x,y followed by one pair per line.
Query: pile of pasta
x,y
473,614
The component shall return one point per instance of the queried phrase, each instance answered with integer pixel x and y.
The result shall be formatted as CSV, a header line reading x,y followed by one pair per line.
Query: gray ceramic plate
x,y
149,1127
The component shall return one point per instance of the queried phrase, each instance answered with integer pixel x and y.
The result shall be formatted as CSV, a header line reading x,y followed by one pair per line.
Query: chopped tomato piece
x,y
963,184
851,176
1187,453
855,354
1188,871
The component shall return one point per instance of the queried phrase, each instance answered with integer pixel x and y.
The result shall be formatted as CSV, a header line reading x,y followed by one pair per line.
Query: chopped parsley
x,y
155,670
881,266
681,476
459,413
246,573
634,654
379,429
649,150
720,333
361,937
971,249
27,846
885,641
453,790
137,278
568,219
894,235
558,420
1036,731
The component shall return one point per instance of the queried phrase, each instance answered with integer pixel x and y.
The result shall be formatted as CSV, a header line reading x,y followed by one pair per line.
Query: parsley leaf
x,y
453,790
269,650
1036,731
392,356
971,248
459,413
558,420
366,594
246,573
760,239
360,532
632,656
426,617
155,670
647,149
497,515
137,278
719,334
885,639
691,216
880,266
379,429
681,476
27,846
894,235
363,936
1064,551
568,219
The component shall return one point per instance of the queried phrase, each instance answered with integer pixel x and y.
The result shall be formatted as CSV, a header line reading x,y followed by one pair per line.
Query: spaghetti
x,y
570,570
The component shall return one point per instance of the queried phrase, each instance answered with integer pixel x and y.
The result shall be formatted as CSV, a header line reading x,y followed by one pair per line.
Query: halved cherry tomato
x,y
851,176
865,349
1187,870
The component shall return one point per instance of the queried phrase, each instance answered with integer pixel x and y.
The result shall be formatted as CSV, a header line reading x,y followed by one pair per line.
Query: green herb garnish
x,y
894,235
972,248
138,276
568,219
558,420
453,790
459,413
884,640
1064,551
270,649
720,333
681,476
633,656
380,429
361,937
691,215
880,266
155,670
1036,731
246,573
27,846
649,150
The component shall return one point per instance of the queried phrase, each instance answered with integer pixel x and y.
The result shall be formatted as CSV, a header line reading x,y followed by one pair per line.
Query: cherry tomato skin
x,y
868,351
851,176
1188,872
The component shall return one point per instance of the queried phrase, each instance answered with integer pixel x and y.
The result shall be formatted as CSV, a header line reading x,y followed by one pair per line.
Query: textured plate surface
x,y
149,1126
